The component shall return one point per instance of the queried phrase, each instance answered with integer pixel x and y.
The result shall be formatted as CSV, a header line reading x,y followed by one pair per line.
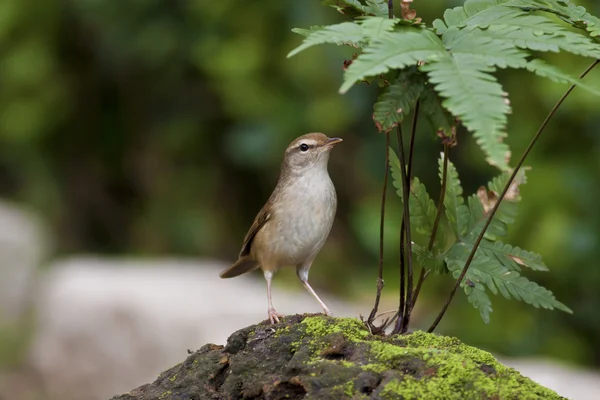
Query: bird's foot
x,y
327,312
274,315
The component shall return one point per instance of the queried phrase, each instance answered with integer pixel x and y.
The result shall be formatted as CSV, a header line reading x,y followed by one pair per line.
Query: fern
x,y
474,96
396,50
397,100
514,22
454,204
575,15
476,38
496,265
355,8
346,33
512,257
422,208
432,110
475,292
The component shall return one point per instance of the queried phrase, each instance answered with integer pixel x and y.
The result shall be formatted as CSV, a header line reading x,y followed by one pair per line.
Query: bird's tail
x,y
241,266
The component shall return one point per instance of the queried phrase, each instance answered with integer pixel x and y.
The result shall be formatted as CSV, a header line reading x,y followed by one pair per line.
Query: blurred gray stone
x,y
107,326
22,246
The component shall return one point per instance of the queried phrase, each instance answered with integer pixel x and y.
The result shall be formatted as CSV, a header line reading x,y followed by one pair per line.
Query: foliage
x,y
459,55
455,59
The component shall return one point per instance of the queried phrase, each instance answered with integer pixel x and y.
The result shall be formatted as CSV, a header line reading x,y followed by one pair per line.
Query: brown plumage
x,y
292,226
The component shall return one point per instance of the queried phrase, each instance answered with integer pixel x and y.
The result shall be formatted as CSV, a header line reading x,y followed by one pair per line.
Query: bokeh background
x,y
152,129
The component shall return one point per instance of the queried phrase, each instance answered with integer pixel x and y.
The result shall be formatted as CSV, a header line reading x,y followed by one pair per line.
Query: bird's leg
x,y
302,272
273,315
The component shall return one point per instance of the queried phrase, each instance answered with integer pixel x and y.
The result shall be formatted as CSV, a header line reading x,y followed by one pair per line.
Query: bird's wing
x,y
263,216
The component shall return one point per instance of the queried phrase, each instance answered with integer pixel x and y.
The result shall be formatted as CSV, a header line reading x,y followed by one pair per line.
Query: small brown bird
x,y
294,224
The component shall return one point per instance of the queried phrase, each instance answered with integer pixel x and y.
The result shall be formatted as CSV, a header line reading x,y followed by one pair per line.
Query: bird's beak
x,y
333,141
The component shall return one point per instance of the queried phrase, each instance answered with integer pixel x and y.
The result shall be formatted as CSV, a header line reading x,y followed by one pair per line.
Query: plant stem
x,y
501,197
411,144
380,282
409,292
390,9
436,223
406,244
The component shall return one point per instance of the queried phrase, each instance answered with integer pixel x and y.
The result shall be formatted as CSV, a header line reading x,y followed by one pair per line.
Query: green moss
x,y
351,328
377,368
173,378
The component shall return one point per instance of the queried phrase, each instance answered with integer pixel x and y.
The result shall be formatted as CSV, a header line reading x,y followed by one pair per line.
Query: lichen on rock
x,y
318,357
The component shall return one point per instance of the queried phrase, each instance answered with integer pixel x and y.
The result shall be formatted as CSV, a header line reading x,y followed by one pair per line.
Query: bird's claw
x,y
274,315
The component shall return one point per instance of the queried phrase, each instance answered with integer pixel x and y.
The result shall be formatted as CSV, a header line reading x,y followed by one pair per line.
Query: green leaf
x,y
456,210
431,109
571,13
398,49
347,33
514,21
422,209
428,259
488,50
474,95
541,68
498,278
512,257
475,292
354,8
397,99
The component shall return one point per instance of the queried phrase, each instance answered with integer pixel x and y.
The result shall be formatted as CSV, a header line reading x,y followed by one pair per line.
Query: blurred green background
x,y
157,127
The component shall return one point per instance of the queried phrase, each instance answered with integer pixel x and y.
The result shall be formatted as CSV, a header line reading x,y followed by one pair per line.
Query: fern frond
x,y
475,292
498,278
347,33
355,8
514,21
422,208
474,95
431,109
505,215
571,13
430,260
512,257
485,49
456,210
397,99
399,49
543,69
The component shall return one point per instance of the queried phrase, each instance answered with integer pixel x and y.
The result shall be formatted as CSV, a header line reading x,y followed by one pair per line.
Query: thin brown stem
x,y
502,195
380,282
406,245
423,275
411,144
411,147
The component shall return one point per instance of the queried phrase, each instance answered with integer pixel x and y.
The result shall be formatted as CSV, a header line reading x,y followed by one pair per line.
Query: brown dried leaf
x,y
488,199
407,12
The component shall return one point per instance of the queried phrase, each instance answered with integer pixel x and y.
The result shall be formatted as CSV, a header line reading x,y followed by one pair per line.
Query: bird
x,y
295,222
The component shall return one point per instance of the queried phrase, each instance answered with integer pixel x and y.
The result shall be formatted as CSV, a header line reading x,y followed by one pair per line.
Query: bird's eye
x,y
303,147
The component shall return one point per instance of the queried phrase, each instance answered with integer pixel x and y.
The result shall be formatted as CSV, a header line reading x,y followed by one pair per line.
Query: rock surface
x,y
317,357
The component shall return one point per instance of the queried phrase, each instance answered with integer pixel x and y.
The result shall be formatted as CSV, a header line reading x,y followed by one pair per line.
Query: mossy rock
x,y
318,357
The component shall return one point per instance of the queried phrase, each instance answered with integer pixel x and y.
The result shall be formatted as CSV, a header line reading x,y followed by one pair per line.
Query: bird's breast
x,y
302,219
